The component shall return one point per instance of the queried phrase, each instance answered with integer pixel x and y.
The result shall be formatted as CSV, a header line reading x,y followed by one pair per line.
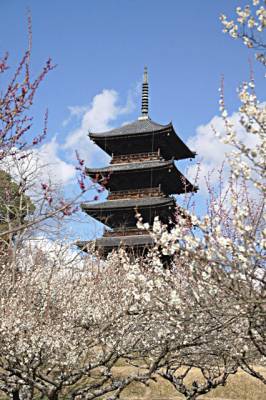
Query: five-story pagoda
x,y
141,177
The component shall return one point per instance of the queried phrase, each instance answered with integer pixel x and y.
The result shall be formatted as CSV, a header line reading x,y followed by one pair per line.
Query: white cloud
x,y
39,165
53,166
212,152
97,117
74,112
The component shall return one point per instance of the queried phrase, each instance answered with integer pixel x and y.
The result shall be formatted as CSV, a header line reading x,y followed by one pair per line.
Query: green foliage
x,y
15,206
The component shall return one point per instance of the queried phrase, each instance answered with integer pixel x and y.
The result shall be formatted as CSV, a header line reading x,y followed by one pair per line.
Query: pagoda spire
x,y
145,96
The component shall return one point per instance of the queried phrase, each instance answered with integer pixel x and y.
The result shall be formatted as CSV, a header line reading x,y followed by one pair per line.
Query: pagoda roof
x,y
128,203
130,166
156,172
118,241
122,212
138,126
138,243
143,135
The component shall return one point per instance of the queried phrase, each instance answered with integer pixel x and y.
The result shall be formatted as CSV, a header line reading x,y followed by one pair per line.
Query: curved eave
x,y
117,213
166,139
143,175
100,137
187,153
138,127
133,167
128,204
111,243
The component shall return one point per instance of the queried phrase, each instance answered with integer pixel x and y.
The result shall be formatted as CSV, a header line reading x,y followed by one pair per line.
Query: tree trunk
x,y
53,396
15,395
192,397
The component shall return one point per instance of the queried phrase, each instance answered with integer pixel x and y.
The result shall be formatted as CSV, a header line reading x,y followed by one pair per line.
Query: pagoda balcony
x,y
122,231
136,194
135,176
136,157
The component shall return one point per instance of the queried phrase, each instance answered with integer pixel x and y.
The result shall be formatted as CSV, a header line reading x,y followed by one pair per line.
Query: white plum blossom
x,y
248,27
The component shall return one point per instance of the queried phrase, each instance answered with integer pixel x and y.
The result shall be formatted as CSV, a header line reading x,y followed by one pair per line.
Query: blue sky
x,y
100,48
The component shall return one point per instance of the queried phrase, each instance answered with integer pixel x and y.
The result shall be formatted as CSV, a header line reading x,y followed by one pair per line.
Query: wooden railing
x,y
137,193
122,231
137,157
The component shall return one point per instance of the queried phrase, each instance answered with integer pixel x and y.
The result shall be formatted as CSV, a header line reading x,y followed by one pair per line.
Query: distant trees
x,y
15,206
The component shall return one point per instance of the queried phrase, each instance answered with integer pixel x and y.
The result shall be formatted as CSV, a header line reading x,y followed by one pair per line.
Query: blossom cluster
x,y
249,25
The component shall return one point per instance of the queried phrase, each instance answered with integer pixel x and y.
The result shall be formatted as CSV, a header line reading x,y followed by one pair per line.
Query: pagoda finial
x,y
145,96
